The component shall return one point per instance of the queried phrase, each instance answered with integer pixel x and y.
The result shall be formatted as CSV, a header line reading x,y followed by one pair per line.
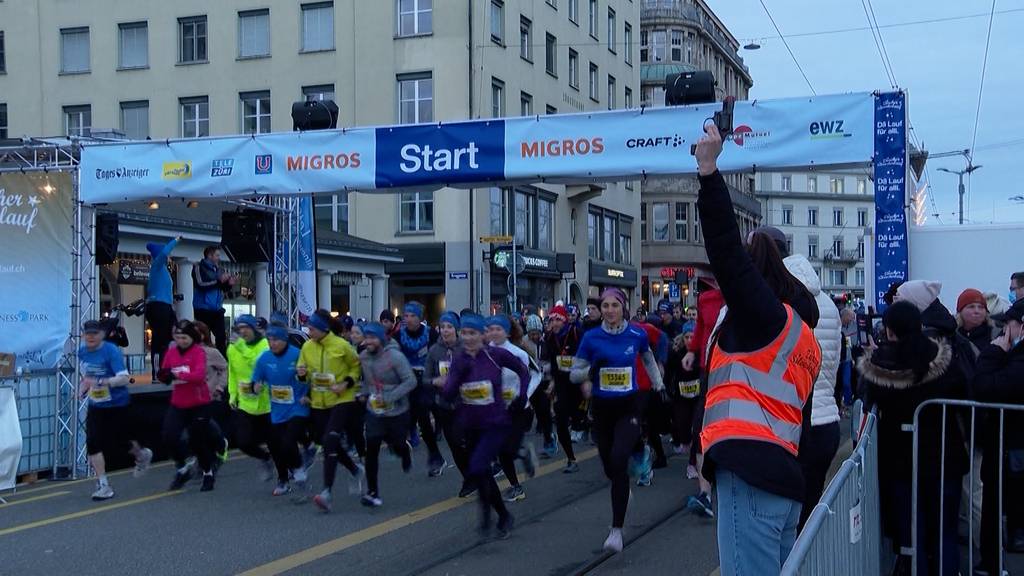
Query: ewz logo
x,y
423,155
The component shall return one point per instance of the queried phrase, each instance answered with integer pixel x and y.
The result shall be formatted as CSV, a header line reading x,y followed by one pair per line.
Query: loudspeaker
x,y
682,277
314,115
106,238
565,263
248,235
689,88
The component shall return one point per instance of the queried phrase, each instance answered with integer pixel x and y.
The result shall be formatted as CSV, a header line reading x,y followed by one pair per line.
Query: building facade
x,y
194,69
683,36
826,216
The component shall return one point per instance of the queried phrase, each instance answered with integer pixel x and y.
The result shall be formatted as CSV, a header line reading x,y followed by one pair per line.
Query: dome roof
x,y
656,73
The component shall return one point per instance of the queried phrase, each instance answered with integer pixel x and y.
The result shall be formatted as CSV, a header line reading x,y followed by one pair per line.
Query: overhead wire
x,y
981,91
881,40
784,41
876,36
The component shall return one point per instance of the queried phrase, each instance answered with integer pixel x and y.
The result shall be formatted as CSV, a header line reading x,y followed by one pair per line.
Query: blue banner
x,y
890,193
305,269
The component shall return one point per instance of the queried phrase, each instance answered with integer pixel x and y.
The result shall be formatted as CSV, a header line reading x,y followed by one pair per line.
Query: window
x,y
627,99
574,69
627,41
812,247
862,186
862,218
417,211
192,39
835,184
697,237
837,247
677,46
592,232
553,4
135,119
611,92
812,184
254,34
74,50
318,27
133,45
787,215
415,99
789,243
574,12
3,55
497,98
334,210
522,217
551,55
255,112
858,275
525,104
837,277
415,17
661,222
525,39
593,82
787,183
318,93
625,244
593,18
860,248
3,121
77,120
497,21
837,217
812,216
817,272
691,39
496,212
643,222
545,224
682,222
611,30
658,46
645,50
608,236
195,117
549,109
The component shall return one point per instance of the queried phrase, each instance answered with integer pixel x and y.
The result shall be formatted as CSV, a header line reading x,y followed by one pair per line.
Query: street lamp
x,y
960,173
752,45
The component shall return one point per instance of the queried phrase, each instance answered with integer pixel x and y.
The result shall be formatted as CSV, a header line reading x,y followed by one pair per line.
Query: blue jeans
x,y
756,529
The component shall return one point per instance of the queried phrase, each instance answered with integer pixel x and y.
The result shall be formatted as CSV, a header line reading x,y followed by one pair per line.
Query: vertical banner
x,y
35,266
890,192
304,271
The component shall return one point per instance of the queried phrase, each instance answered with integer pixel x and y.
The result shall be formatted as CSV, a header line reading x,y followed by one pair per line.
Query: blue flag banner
x,y
834,130
890,193
305,270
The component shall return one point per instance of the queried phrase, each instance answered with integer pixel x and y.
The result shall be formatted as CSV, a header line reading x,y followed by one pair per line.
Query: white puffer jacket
x,y
829,336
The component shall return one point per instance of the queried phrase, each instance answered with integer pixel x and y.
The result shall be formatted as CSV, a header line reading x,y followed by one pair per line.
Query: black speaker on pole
x,y
314,115
565,262
106,238
682,277
689,88
247,236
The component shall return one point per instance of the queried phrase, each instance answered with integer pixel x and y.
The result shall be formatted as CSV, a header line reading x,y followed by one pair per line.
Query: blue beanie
x,y
534,323
500,320
451,318
473,321
664,307
315,321
247,320
153,248
376,330
690,326
277,333
414,308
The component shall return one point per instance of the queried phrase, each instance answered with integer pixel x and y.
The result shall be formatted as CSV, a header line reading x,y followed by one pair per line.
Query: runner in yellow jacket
x,y
251,410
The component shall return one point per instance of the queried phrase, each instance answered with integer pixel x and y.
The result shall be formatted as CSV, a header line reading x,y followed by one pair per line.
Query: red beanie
x,y
560,312
968,297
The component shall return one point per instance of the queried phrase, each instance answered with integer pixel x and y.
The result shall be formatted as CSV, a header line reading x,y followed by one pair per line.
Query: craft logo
x,y
559,148
828,130
264,164
675,141
418,155
746,137
222,167
121,173
338,161
177,170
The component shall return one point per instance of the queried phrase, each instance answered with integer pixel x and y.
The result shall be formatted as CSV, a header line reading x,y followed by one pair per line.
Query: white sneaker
x,y
103,492
355,481
613,543
299,475
266,470
691,471
142,462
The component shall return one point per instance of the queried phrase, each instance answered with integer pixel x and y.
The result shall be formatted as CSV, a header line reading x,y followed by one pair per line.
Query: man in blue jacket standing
x,y
160,299
209,283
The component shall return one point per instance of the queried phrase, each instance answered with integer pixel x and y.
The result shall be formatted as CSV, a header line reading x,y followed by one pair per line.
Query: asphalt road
x,y
423,528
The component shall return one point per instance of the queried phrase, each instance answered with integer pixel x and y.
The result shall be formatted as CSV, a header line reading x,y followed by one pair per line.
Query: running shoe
x,y
505,524
222,455
644,479
571,467
355,482
497,471
530,460
467,489
700,504
282,489
142,462
691,472
323,501
437,466
640,462
266,471
514,494
208,481
550,449
613,543
679,449
309,457
407,460
181,478
414,438
299,476
103,492
576,436
371,500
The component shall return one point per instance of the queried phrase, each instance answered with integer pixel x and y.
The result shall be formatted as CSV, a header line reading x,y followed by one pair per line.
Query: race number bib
x,y
509,391
616,379
378,405
245,389
443,367
282,395
477,393
322,382
181,370
99,394
689,389
565,363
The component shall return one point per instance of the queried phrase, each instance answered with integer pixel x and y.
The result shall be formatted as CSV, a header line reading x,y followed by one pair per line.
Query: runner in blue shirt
x,y
104,379
289,406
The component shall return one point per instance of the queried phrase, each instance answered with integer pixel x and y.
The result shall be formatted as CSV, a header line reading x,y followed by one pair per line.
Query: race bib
x,y
443,367
322,382
616,379
282,395
565,363
378,405
477,393
180,370
100,394
509,392
245,389
689,389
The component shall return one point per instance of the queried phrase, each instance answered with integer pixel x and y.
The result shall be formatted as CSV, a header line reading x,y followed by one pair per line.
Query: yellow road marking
x,y
34,498
330,547
84,513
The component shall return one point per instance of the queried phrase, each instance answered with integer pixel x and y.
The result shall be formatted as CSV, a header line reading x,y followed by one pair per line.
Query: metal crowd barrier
x,y
843,532
36,398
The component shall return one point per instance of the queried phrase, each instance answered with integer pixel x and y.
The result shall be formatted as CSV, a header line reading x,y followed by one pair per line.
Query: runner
x,y
535,345
482,417
184,368
331,367
415,338
104,379
251,409
610,351
439,362
563,339
387,382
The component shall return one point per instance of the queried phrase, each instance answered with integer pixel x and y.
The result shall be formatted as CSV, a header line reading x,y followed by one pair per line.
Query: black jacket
x,y
755,319
980,336
999,378
674,373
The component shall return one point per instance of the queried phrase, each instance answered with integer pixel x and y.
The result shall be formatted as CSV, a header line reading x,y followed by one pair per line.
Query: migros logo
x,y
338,161
564,147
178,170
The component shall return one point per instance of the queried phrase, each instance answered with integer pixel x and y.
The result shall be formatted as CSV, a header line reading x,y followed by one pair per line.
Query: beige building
x,y
194,68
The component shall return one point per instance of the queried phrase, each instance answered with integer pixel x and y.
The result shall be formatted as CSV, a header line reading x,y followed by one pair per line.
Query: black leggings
x,y
446,422
343,418
285,445
161,319
421,403
567,401
683,411
214,319
202,437
541,403
653,413
521,422
391,429
617,429
252,431
483,447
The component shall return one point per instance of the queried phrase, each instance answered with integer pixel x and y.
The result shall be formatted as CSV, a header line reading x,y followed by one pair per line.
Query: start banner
x,y
833,130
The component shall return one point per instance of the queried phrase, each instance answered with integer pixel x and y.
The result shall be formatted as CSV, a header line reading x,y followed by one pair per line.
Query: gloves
x,y
164,375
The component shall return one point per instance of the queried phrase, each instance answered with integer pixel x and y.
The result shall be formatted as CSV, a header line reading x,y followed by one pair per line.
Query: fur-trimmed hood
x,y
884,368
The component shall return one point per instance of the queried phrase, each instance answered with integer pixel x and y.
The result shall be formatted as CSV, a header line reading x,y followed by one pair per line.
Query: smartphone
x,y
866,324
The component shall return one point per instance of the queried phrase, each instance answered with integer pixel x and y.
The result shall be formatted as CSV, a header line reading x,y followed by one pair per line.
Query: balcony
x,y
845,256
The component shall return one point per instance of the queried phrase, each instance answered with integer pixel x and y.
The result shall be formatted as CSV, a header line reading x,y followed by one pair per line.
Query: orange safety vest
x,y
760,395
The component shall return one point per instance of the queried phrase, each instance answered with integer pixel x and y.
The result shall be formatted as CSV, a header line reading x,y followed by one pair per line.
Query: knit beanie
x,y
451,318
375,330
472,321
534,323
968,297
920,293
501,321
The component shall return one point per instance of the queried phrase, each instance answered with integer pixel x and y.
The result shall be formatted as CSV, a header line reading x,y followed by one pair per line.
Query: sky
x,y
939,64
